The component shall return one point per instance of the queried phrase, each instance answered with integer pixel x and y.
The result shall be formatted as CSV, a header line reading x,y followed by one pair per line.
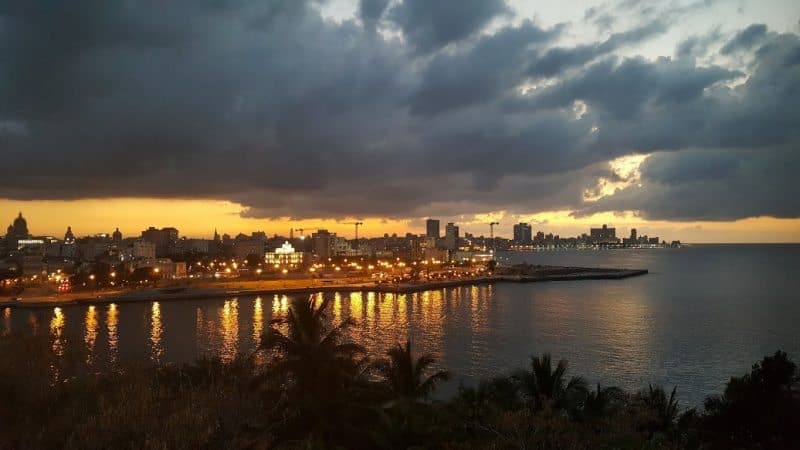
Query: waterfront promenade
x,y
304,286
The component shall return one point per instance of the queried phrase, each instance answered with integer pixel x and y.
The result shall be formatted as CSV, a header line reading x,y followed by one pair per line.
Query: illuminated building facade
x,y
286,256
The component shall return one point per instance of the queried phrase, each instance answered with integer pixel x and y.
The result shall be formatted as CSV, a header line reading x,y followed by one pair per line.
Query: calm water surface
x,y
703,313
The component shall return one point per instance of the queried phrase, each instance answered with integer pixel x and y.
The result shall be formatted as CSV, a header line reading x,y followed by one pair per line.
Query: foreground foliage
x,y
308,387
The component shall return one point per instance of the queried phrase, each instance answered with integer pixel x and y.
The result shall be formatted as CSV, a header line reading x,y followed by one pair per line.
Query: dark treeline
x,y
308,387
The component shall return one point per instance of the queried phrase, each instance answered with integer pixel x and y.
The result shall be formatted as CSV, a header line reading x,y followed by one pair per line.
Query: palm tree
x,y
309,345
544,385
319,369
405,377
406,420
601,400
660,411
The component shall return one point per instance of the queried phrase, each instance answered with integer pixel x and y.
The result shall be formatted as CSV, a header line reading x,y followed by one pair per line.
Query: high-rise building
x,y
522,233
323,243
432,228
451,236
633,235
164,239
603,235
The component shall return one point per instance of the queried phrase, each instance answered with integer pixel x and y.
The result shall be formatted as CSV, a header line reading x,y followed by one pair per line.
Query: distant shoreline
x,y
194,293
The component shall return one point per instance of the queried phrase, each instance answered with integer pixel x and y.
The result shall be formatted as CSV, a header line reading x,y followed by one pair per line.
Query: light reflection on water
x,y
672,327
112,320
258,321
229,319
57,330
56,335
258,328
156,331
90,336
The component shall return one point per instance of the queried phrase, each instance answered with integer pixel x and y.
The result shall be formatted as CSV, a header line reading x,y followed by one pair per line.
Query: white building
x,y
286,256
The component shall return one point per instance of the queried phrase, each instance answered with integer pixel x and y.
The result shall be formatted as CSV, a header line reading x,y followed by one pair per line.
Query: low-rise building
x,y
143,250
162,267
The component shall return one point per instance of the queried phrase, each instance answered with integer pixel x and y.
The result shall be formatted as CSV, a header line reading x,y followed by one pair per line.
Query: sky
x,y
680,118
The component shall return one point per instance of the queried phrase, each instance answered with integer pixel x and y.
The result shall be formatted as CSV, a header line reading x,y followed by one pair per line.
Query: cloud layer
x,y
408,109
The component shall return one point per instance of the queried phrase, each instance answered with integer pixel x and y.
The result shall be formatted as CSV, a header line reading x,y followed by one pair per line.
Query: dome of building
x,y
19,228
69,236
20,223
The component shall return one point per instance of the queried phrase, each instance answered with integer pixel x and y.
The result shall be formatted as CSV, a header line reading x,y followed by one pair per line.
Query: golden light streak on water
x,y
112,322
229,321
90,334
401,314
200,333
56,334
372,315
478,310
382,310
337,307
156,332
56,331
356,305
432,314
283,305
258,322
318,298
280,307
258,329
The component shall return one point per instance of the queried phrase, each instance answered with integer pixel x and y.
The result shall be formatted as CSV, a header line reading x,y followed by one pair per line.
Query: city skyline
x,y
678,118
416,227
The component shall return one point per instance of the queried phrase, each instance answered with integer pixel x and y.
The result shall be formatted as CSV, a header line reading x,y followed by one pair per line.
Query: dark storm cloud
x,y
738,151
625,88
371,11
268,104
745,39
712,185
557,60
698,45
429,25
478,74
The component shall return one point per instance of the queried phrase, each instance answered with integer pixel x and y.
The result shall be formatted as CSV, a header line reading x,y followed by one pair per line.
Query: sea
x,y
702,314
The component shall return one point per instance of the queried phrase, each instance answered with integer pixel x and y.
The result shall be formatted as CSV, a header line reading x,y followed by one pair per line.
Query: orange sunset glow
x,y
199,218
